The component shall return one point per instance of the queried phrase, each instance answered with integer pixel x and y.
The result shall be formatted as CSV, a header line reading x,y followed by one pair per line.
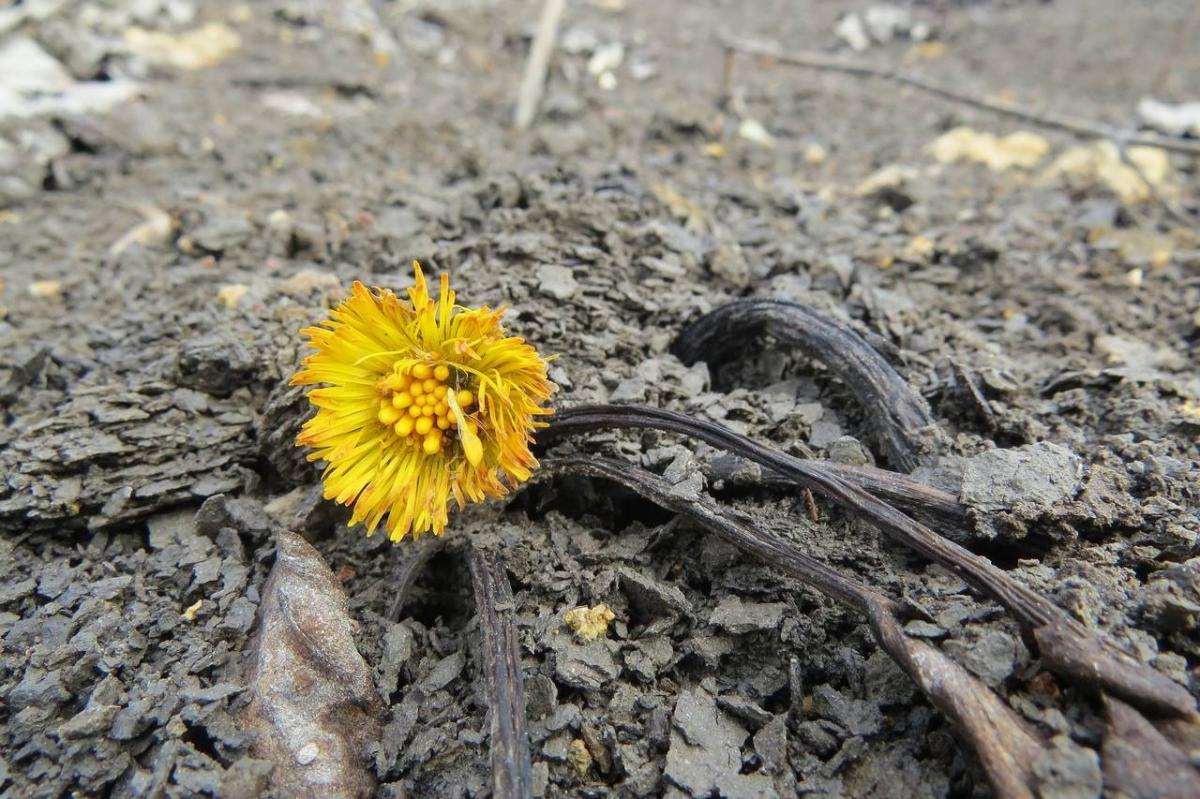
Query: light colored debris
x,y
603,64
1022,149
589,623
579,757
606,58
1173,119
189,614
45,289
1100,163
156,227
753,131
815,154
851,30
195,49
32,83
292,104
892,176
230,295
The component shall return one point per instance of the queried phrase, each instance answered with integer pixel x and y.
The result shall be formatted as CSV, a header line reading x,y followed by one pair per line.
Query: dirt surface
x,y
159,258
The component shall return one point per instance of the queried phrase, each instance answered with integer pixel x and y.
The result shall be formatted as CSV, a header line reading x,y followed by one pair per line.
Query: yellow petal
x,y
471,445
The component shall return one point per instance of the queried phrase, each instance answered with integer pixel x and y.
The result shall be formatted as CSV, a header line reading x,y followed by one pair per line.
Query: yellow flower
x,y
424,400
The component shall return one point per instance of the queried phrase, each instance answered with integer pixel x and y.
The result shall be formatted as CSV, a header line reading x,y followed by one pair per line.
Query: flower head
x,y
424,400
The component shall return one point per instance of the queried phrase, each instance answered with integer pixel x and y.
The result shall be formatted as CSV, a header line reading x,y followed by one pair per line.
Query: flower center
x,y
416,405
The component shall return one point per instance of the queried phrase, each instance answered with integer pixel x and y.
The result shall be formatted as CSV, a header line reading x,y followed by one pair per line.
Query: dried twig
x,y
898,415
534,80
1065,645
1078,127
503,682
1005,745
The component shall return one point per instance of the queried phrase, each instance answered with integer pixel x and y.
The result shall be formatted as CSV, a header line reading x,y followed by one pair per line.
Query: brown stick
x,y
1065,644
1078,127
504,684
1005,745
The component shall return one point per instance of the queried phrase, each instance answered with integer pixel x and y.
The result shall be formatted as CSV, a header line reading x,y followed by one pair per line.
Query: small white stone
x,y
307,753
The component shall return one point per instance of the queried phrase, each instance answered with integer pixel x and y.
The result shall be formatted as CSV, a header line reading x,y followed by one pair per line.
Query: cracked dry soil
x,y
147,453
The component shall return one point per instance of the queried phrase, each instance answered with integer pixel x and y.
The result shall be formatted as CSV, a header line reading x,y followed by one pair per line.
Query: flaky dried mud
x,y
159,259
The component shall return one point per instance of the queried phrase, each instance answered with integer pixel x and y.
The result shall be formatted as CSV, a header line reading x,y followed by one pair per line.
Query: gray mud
x,y
159,258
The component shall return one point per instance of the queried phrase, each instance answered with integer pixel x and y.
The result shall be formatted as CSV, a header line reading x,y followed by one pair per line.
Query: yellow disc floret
x,y
424,400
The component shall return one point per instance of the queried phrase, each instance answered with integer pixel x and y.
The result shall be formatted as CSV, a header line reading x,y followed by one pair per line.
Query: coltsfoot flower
x,y
424,400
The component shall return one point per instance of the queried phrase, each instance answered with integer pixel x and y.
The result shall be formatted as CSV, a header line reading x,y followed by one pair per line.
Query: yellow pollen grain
x,y
432,444
424,425
465,398
415,410
443,423
417,389
421,371
405,426
440,392
442,372
402,400
388,415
